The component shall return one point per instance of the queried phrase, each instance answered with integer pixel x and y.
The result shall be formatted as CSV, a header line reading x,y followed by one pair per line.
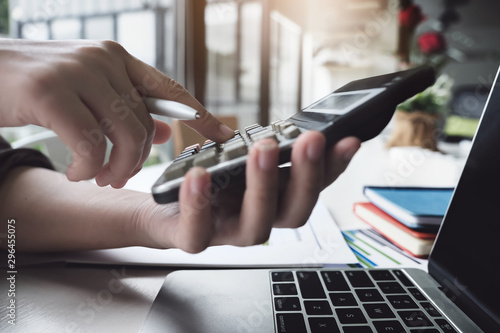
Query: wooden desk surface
x,y
60,298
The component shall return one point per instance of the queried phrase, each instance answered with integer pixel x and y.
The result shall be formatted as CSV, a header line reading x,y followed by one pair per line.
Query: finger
x,y
163,132
195,229
261,195
338,158
306,178
133,98
74,123
130,137
109,60
156,84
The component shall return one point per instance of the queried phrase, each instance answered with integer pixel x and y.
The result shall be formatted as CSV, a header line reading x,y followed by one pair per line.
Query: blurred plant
x,y
417,117
433,100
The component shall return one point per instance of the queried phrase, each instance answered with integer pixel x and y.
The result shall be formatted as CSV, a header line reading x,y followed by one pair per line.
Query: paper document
x,y
373,250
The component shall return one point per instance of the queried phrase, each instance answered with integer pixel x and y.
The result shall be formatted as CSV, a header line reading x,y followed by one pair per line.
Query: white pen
x,y
170,109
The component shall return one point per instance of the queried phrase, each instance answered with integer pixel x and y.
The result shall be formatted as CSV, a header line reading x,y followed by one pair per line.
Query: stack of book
x,y
409,217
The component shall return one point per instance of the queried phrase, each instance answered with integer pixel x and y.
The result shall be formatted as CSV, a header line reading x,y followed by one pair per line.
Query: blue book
x,y
416,207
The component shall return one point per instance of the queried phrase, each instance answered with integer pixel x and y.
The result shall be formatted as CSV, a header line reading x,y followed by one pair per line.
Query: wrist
x,y
150,222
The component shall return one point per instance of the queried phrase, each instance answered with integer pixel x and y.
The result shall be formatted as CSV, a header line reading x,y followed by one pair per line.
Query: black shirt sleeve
x,y
11,158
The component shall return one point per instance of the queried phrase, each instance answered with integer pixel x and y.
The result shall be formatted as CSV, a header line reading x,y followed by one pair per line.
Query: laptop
x,y
459,293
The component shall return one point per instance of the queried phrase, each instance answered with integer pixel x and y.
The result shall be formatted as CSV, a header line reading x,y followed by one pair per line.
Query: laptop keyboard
x,y
352,301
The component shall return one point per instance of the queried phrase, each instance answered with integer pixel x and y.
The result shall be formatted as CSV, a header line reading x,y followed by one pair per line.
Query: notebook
x,y
459,293
417,207
415,242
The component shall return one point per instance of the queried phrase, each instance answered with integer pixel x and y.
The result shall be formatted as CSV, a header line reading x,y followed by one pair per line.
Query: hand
x,y
273,197
86,91
69,216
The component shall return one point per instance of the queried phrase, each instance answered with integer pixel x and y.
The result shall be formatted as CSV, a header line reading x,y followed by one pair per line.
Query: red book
x,y
416,243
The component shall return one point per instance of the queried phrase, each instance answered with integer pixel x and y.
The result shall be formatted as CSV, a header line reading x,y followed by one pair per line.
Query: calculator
x,y
361,108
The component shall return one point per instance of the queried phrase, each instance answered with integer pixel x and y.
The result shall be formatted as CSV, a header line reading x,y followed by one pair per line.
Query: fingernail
x,y
228,132
266,160
119,184
72,171
104,178
315,151
196,183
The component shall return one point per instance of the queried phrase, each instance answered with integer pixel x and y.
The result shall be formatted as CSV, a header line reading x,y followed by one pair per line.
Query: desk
x,y
77,299
60,298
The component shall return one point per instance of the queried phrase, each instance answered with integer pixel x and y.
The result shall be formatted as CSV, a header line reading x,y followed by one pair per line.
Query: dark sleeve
x,y
11,158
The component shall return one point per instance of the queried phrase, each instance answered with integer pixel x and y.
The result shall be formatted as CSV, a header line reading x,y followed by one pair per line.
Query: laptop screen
x,y
466,254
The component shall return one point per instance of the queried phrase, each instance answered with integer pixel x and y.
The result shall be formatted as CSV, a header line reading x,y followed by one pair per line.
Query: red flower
x,y
431,43
410,16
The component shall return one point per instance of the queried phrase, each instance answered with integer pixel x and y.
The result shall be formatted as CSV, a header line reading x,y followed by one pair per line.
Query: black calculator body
x,y
361,108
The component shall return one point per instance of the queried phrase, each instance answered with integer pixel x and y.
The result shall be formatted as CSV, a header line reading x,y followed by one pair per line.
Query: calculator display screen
x,y
342,102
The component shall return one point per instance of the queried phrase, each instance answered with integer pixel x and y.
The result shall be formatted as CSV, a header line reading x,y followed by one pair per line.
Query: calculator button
x,y
291,132
284,125
185,154
233,150
236,137
265,134
175,170
255,130
206,158
209,144
193,148
275,125
251,127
